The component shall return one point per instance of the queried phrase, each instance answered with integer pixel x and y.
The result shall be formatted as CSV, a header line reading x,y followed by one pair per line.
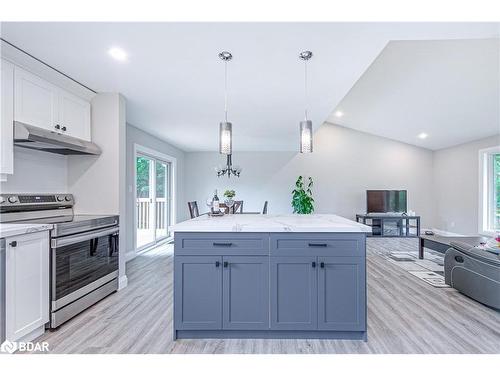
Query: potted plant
x,y
302,199
229,195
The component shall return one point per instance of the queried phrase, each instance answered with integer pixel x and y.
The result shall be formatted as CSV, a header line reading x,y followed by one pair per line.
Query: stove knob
x,y
67,198
2,200
60,198
12,199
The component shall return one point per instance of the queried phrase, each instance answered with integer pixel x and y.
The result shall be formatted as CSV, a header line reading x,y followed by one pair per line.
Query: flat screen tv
x,y
382,201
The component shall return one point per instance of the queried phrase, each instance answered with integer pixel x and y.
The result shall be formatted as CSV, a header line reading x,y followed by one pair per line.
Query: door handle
x,y
57,126
322,264
222,244
313,264
217,264
318,245
63,128
13,244
226,264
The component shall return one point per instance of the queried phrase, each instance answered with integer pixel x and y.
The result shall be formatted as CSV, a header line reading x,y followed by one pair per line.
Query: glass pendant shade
x,y
306,136
226,138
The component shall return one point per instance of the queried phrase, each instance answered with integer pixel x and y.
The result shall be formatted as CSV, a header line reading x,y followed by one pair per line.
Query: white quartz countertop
x,y
9,230
271,223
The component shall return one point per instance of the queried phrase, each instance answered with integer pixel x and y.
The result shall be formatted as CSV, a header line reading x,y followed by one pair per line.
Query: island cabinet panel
x,y
222,243
245,292
293,293
198,292
270,285
320,244
341,293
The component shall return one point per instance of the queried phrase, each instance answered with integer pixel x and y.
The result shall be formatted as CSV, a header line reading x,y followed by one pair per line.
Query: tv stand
x,y
388,225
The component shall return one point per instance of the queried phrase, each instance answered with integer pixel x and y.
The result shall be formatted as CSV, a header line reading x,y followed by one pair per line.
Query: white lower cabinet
x,y
27,284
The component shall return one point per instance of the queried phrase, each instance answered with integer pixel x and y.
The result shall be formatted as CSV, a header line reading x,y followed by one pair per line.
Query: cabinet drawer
x,y
221,243
319,244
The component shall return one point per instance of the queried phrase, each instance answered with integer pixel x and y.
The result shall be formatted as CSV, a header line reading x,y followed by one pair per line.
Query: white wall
x,y
456,186
344,164
139,137
98,182
37,172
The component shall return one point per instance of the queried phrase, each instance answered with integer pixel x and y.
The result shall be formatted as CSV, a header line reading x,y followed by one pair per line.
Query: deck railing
x,y
144,212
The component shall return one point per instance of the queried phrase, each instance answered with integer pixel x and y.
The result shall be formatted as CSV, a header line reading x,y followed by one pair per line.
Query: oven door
x,y
82,263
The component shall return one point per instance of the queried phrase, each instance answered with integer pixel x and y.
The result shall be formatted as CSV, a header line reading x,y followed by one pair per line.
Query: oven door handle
x,y
64,241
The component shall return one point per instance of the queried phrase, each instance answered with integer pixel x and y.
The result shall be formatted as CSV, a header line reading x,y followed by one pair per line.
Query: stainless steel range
x,y
83,250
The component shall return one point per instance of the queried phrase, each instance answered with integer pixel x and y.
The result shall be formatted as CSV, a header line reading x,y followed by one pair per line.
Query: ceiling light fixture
x,y
226,129
117,53
422,135
306,133
339,113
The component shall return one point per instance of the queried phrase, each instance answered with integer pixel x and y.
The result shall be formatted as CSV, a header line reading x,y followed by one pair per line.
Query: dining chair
x,y
238,205
193,209
264,210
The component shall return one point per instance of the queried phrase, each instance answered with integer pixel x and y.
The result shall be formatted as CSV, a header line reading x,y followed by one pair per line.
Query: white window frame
x,y
146,151
486,193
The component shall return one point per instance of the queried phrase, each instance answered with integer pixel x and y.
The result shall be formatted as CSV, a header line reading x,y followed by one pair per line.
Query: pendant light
x,y
225,127
306,131
226,130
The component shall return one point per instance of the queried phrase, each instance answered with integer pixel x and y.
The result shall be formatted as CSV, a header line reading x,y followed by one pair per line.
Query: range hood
x,y
28,136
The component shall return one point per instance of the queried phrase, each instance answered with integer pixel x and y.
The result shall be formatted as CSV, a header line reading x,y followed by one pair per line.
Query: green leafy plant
x,y
230,194
302,199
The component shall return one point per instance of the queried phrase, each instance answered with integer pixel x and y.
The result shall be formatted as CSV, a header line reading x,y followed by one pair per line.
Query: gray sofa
x,y
473,272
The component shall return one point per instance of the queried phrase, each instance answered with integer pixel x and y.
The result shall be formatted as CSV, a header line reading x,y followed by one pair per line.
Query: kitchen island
x,y
270,276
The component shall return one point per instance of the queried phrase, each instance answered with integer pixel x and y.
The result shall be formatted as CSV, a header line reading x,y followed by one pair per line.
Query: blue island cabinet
x,y
270,285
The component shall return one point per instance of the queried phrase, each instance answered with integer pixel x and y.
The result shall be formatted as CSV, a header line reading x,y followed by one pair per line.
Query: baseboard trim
x,y
129,255
270,334
445,233
122,282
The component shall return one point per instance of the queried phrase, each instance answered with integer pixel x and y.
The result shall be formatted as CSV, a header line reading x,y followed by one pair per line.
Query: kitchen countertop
x,y
12,229
271,224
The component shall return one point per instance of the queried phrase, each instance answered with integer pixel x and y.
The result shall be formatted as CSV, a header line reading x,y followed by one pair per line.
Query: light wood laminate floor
x,y
405,315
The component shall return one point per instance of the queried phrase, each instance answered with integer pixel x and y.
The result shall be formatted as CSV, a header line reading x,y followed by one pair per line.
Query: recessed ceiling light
x,y
339,113
117,53
422,135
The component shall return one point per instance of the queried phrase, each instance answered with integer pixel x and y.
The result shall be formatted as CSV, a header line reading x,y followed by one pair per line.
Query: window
x,y
489,190
496,190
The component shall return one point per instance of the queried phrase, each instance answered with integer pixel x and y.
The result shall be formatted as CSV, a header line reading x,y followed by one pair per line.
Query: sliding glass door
x,y
153,200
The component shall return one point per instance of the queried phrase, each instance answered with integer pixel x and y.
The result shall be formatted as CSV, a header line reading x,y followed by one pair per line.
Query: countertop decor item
x,y
306,136
228,201
302,199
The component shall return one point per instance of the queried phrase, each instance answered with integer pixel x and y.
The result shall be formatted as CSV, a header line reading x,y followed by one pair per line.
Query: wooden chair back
x,y
193,209
238,206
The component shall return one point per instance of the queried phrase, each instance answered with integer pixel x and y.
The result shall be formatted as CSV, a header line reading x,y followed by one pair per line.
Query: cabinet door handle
x,y
226,264
318,245
63,128
227,244
322,264
57,126
13,244
313,264
217,264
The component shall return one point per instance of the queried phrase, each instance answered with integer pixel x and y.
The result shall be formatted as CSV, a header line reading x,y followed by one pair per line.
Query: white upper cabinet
x,y
7,120
35,100
74,115
42,104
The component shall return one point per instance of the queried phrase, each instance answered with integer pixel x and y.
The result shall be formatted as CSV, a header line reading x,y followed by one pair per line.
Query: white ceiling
x,y
173,80
446,89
